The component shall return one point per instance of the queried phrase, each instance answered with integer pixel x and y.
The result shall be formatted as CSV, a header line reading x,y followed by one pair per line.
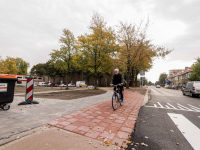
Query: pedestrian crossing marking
x,y
160,105
171,105
183,106
194,107
178,107
187,128
167,106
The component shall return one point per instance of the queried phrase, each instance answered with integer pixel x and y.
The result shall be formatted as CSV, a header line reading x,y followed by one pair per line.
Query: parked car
x,y
63,85
157,86
167,86
49,84
71,85
192,89
81,84
42,84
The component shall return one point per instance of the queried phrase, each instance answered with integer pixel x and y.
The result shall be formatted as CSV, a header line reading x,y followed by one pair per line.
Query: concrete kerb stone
x,y
49,91
146,98
45,92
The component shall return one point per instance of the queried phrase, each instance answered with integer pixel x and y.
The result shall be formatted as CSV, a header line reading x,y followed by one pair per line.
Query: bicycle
x,y
116,98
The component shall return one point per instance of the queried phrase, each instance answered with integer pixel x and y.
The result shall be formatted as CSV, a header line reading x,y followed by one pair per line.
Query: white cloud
x,y
31,29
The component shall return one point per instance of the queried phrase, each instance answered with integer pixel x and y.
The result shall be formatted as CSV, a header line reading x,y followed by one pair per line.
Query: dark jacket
x,y
117,79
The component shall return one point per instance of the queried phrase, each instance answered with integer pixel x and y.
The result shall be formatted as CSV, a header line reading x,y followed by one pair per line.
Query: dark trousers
x,y
121,91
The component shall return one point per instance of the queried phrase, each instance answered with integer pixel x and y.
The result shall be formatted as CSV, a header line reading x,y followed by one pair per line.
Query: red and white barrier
x,y
29,89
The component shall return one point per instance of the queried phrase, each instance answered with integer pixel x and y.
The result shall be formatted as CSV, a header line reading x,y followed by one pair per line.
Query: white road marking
x,y
194,106
180,107
188,129
160,105
171,105
199,116
167,106
184,106
194,109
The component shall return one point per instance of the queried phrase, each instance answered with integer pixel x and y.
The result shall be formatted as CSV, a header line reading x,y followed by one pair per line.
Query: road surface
x,y
169,121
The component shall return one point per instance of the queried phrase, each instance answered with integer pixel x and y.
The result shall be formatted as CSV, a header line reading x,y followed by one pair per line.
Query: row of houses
x,y
179,77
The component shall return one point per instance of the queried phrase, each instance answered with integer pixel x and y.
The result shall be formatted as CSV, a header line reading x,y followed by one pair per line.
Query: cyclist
x,y
117,79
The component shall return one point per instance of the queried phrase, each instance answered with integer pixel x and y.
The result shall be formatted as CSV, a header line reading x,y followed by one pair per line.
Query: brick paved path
x,y
101,122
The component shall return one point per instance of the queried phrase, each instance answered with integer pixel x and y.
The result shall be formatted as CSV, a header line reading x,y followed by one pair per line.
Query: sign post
x,y
29,92
142,74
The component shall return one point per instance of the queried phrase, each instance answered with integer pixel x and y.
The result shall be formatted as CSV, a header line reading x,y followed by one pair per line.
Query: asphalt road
x,y
169,121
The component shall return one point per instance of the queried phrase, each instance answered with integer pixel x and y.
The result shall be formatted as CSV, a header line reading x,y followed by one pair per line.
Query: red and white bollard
x,y
29,92
29,89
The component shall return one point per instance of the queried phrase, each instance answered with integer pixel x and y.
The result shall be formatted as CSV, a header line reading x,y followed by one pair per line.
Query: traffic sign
x,y
142,73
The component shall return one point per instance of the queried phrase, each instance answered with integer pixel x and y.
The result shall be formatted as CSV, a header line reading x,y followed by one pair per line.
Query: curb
x,y
146,98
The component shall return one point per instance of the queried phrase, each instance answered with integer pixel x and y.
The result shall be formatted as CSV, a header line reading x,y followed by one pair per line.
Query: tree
x,y
150,83
63,58
98,48
2,66
195,76
51,71
38,70
162,78
137,53
22,66
9,66
157,83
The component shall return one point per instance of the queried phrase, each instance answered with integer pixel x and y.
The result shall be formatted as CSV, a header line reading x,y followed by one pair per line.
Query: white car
x,y
71,85
157,86
63,85
81,84
167,86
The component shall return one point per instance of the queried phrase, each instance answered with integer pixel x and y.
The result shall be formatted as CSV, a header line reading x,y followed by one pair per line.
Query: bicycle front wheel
x,y
114,101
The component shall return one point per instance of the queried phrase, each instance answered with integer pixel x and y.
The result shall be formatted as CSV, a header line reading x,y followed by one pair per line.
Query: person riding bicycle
x,y
117,79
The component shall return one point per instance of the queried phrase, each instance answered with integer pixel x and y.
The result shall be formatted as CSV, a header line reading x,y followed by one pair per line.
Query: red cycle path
x,y
100,121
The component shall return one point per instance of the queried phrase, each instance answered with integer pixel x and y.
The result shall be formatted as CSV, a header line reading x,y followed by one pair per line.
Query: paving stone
x,y
91,118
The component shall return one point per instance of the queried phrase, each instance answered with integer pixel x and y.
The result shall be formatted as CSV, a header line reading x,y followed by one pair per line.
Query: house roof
x,y
181,73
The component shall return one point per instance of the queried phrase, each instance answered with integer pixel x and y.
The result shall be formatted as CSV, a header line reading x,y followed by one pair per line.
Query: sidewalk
x,y
98,122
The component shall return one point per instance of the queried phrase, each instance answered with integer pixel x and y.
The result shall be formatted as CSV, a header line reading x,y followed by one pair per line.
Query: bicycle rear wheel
x,y
120,101
114,101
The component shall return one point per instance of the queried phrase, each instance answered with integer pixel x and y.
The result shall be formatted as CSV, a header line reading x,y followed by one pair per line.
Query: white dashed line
x,y
194,107
171,105
184,106
160,105
167,106
180,107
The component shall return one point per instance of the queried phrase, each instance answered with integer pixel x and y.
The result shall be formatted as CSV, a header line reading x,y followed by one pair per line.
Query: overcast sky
x,y
30,29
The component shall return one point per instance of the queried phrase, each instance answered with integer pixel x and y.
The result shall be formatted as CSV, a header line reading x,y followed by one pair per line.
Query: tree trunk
x,y
95,83
100,81
128,77
88,80
67,82
135,80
